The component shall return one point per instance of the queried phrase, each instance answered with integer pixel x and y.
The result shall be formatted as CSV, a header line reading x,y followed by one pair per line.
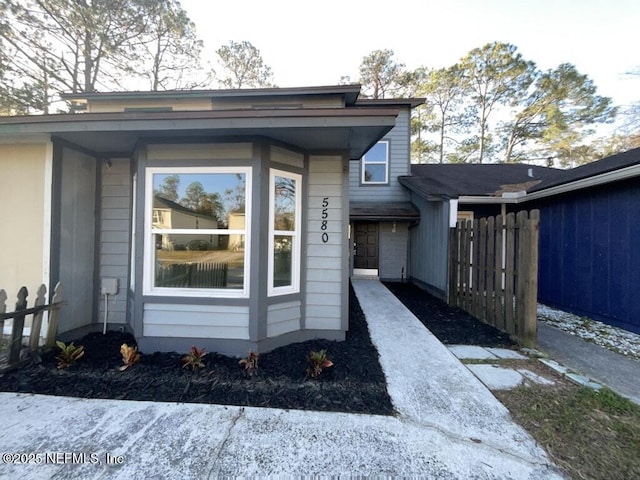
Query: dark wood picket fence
x,y
194,275
493,272
12,344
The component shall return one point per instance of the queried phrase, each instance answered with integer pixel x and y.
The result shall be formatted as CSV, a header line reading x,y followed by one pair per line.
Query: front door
x,y
366,246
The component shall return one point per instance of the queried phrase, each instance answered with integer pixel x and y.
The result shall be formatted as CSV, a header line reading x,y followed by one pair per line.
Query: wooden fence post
x,y
499,273
530,280
18,325
490,271
522,248
36,324
509,274
52,331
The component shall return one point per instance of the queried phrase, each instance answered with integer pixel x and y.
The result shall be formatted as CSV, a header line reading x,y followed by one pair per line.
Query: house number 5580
x,y
325,215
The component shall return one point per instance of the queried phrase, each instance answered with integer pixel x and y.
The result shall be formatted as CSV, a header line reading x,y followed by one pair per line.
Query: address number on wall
x,y
325,216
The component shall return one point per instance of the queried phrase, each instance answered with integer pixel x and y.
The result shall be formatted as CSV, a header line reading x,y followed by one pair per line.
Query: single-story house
x,y
588,263
140,200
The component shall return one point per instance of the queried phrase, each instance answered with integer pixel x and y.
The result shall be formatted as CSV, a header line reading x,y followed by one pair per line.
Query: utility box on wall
x,y
109,286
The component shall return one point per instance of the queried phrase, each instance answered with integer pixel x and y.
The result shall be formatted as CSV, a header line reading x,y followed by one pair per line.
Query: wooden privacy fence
x,y
13,341
199,275
493,272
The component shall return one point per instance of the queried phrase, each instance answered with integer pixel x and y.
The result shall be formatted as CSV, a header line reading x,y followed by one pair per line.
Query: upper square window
x,y
375,164
196,224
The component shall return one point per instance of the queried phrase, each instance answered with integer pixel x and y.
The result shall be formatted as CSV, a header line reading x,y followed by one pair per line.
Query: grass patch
x,y
588,434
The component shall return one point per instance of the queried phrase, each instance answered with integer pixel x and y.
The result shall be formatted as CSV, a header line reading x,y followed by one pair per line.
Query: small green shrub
x,y
130,356
69,354
193,359
198,245
318,361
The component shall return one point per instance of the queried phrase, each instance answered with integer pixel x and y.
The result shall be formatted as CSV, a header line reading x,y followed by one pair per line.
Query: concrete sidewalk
x,y
616,371
448,426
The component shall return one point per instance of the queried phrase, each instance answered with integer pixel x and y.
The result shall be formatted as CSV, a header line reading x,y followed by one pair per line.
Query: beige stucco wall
x,y
23,170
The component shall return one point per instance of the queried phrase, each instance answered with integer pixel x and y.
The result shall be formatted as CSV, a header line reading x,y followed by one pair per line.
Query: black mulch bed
x,y
452,326
355,383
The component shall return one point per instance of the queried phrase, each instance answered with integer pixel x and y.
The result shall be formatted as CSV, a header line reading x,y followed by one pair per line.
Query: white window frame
x,y
366,162
272,290
149,231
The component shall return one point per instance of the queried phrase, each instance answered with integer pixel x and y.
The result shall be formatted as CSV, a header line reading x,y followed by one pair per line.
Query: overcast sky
x,y
308,42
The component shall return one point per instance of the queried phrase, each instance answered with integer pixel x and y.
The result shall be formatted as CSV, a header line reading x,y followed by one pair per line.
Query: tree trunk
x,y
88,63
442,119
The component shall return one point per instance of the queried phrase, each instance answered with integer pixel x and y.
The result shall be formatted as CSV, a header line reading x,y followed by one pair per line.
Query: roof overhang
x,y
383,211
353,129
350,93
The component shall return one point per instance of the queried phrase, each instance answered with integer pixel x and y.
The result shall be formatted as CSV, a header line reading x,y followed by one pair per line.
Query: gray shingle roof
x,y
454,180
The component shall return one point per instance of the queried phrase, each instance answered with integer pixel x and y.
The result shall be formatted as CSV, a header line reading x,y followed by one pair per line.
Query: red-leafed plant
x,y
193,359
318,361
250,363
130,356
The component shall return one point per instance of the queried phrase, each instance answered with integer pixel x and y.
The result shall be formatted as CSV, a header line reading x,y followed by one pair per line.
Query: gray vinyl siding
x,y
202,321
325,259
399,164
283,318
77,238
393,248
429,245
114,237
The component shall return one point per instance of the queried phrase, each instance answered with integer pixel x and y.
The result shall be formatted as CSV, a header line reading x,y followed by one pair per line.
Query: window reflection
x,y
199,228
282,260
285,203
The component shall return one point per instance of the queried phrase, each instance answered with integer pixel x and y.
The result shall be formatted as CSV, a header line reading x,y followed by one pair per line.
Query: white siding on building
x,y
283,318
325,253
196,321
114,236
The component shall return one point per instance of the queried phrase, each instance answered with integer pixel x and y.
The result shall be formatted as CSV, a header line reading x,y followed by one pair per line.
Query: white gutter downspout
x,y
453,212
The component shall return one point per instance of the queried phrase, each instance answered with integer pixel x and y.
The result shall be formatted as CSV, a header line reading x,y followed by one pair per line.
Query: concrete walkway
x,y
616,371
448,426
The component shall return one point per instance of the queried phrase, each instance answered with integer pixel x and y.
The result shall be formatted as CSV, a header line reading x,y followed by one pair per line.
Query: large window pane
x,y
199,200
282,260
199,261
198,231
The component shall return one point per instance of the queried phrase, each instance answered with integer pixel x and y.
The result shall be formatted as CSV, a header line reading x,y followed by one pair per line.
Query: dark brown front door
x,y
366,245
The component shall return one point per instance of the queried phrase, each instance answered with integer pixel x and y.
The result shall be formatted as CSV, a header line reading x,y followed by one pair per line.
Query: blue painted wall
x,y
590,253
